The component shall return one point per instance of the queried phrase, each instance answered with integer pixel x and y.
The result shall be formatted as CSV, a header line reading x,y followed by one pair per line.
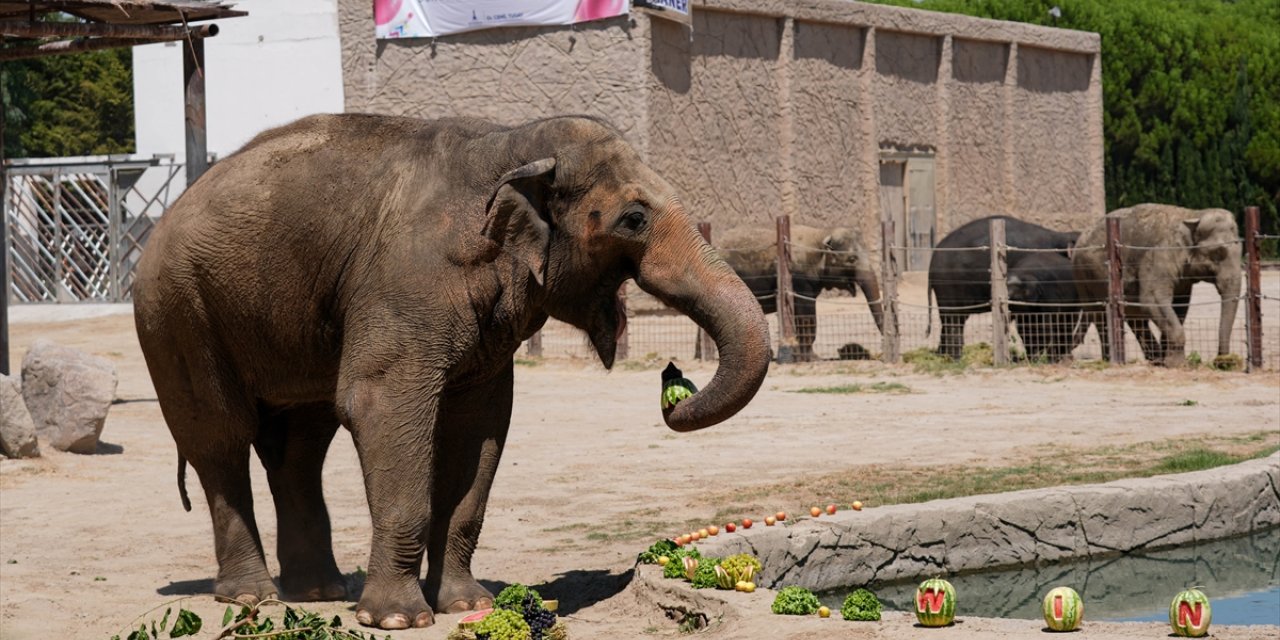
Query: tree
x,y
69,104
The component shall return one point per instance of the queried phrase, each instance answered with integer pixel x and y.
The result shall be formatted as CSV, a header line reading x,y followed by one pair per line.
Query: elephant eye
x,y
632,221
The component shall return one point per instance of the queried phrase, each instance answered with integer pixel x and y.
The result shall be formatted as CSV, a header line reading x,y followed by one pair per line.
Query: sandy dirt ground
x,y
87,543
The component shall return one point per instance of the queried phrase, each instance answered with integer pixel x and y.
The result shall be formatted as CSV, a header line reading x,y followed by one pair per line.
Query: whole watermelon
x,y
1189,614
1063,609
936,603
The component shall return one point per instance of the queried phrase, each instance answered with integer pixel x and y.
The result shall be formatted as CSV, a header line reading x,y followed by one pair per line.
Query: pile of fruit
x,y
518,613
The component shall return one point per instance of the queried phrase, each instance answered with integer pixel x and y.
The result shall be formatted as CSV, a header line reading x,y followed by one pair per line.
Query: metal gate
x,y
76,227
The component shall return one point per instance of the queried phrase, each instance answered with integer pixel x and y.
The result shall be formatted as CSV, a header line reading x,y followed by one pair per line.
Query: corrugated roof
x,y
128,12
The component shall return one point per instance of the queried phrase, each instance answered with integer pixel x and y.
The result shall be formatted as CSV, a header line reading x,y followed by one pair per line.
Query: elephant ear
x,y
517,218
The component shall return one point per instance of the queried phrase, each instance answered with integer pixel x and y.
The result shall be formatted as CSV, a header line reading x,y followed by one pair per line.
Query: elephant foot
x,y
326,585
461,594
245,592
393,604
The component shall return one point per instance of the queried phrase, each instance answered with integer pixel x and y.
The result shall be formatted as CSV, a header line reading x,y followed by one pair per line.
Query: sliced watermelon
x,y
474,618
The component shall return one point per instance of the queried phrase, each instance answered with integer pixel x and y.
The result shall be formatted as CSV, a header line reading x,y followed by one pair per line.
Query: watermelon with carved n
x,y
1189,614
935,603
1063,609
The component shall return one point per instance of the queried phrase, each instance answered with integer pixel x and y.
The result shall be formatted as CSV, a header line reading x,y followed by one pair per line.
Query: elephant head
x,y
584,214
1213,242
848,263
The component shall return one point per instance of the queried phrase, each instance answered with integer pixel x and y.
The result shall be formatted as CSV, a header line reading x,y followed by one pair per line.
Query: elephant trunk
x,y
682,271
1228,284
870,286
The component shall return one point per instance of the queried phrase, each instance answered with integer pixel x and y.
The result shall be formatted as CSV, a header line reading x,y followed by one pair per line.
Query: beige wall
x,y
784,107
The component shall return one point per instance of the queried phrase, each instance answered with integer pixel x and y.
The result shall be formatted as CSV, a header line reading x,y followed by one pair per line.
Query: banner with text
x,y
431,18
677,10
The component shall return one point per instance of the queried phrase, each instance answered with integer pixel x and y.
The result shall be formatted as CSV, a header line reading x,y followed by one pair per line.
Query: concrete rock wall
x,y
1011,529
773,107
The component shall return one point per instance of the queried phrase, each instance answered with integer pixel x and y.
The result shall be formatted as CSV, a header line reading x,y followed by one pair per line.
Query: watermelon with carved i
x,y
935,603
1063,609
1189,614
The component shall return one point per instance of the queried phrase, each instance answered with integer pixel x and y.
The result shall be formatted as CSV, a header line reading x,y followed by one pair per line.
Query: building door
x,y
906,198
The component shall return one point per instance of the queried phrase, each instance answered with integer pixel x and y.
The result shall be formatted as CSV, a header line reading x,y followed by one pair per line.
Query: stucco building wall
x,y
770,108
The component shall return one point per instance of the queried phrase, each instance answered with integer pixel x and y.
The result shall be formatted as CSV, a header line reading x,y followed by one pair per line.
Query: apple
x,y
663,560
730,527
749,587
746,523
815,512
824,612
769,520
685,539
782,515
713,530
857,505
695,536
704,533
831,509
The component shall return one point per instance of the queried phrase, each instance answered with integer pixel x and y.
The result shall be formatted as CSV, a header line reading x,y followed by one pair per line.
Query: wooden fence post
x,y
624,337
786,303
1115,293
1253,305
535,344
999,294
705,347
890,346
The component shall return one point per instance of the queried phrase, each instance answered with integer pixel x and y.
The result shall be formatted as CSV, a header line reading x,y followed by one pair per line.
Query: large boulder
x,y
68,393
17,432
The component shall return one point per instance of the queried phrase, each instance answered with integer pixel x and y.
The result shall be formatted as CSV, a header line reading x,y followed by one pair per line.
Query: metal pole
x,y
891,347
4,250
623,344
999,294
1115,293
193,97
786,303
1253,310
705,347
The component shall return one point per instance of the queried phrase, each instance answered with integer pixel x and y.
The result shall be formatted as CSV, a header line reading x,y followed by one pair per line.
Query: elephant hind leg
x,y
292,444
213,430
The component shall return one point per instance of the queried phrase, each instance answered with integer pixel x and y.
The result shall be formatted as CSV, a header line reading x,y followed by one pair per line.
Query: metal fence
x,y
76,227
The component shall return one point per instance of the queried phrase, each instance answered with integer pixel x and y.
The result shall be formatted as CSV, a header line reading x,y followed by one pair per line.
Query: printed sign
x,y
431,18
677,10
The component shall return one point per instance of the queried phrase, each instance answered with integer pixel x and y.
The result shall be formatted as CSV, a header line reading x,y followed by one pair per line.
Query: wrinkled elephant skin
x,y
379,273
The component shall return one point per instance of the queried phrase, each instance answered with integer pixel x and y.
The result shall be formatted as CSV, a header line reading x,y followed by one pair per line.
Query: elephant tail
x,y
182,482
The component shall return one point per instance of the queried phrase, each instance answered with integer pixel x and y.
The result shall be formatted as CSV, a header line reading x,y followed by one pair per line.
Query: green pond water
x,y
1241,576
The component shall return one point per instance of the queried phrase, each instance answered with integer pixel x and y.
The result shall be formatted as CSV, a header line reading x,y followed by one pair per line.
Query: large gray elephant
x,y
820,259
380,273
1165,250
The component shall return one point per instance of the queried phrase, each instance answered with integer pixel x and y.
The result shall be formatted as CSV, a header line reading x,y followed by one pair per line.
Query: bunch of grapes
x,y
540,620
502,625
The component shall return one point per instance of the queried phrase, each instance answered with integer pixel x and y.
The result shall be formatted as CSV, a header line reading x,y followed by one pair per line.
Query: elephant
x,y
820,259
379,273
1165,249
960,282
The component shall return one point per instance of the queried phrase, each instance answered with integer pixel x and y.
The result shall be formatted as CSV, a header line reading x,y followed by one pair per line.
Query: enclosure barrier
x,y
1001,328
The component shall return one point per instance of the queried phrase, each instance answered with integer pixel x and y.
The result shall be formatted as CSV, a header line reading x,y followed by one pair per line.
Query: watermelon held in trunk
x,y
1189,614
675,387
1063,609
474,618
935,603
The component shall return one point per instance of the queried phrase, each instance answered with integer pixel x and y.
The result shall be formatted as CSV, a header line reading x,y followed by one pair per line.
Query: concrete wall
x,y
785,107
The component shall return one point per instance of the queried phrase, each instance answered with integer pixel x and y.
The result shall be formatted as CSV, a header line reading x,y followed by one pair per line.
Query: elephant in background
x,y
820,259
379,273
960,281
1165,250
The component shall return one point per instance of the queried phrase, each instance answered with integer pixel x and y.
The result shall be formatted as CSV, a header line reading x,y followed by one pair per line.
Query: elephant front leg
x,y
474,425
393,422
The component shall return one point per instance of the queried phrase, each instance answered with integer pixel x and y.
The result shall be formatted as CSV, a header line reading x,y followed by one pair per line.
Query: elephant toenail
x,y
424,619
395,621
458,606
364,618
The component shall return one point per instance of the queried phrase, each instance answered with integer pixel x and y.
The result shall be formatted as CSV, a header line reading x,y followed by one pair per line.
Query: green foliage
x,y
71,104
795,601
660,548
705,576
861,605
297,624
503,624
1191,95
512,598
675,568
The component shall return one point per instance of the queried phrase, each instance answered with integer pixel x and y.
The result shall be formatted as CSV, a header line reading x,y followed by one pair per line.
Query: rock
x,y
17,432
68,393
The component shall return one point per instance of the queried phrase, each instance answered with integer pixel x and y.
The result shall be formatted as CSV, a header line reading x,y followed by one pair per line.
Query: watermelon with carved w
x,y
1063,609
1189,614
935,603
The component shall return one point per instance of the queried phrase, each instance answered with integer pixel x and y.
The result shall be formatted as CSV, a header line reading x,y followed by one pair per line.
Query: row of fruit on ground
x,y
730,527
